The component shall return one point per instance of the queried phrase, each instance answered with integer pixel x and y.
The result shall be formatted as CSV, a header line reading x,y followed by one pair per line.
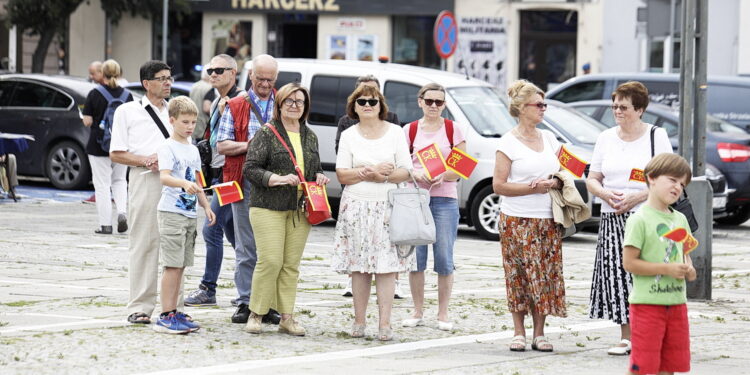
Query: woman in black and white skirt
x,y
619,154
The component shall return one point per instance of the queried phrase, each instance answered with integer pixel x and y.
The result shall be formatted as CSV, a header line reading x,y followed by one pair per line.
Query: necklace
x,y
518,134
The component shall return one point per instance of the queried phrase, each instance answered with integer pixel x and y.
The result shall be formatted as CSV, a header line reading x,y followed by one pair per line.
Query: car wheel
x,y
485,213
737,216
67,166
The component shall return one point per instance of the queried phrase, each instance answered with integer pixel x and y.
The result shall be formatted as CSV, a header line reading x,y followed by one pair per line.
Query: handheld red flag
x,y
689,243
637,175
461,163
432,160
228,192
570,162
200,179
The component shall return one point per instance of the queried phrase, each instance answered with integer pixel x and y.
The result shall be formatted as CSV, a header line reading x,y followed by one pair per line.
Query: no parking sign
x,y
445,34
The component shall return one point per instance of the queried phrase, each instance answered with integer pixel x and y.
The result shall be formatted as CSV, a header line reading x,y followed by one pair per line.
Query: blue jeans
x,y
445,213
246,255
213,235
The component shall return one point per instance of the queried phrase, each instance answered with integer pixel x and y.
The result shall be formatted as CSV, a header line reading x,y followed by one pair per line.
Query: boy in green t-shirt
x,y
658,310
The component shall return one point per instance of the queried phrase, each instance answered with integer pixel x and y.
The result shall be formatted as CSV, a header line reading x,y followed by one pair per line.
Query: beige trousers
x,y
144,192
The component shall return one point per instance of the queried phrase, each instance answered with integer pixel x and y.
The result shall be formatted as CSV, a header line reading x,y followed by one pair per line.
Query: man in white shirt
x,y
138,129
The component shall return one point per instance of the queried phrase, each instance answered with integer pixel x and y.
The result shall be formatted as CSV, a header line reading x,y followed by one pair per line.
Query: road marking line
x,y
62,285
66,324
372,351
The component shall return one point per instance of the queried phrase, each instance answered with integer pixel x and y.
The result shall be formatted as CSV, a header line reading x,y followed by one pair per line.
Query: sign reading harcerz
x,y
358,7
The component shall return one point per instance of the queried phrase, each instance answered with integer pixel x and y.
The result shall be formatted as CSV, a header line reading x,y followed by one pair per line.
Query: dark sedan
x,y
49,108
727,149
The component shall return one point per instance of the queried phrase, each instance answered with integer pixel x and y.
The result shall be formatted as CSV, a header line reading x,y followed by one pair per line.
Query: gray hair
x,y
265,60
367,78
227,59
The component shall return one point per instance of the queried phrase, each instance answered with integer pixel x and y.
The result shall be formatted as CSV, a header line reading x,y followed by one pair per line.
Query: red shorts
x,y
660,339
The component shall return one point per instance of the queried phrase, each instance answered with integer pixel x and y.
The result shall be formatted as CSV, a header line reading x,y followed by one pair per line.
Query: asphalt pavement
x,y
63,291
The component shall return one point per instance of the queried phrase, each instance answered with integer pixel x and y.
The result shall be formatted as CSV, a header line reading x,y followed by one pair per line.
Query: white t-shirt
x,y
134,130
356,151
183,160
615,159
526,166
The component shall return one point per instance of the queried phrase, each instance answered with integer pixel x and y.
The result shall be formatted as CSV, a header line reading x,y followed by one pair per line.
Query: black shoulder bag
x,y
158,122
683,204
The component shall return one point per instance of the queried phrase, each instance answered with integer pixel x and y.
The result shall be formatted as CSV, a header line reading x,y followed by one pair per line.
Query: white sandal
x,y
619,349
518,344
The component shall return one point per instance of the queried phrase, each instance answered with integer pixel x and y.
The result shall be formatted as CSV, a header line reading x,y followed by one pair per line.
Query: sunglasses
x,y
218,71
621,107
540,105
371,102
430,102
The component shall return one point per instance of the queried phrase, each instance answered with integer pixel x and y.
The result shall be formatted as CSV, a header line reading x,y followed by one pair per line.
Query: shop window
x,y
413,41
328,95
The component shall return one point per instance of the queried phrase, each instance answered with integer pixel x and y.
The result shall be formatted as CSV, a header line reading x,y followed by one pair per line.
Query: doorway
x,y
293,35
547,53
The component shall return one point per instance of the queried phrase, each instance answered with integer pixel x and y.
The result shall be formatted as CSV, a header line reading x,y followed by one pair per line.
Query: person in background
x,y
531,242
373,158
277,206
586,68
108,177
197,92
345,122
95,77
432,128
222,72
618,152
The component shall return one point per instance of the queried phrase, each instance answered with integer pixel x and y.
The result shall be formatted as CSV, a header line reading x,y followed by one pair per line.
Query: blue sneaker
x,y
193,326
170,324
200,297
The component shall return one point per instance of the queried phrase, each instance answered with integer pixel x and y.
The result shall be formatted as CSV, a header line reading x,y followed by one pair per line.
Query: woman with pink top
x,y
433,128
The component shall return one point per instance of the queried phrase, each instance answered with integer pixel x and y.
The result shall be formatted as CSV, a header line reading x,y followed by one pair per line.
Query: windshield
x,y
574,124
484,109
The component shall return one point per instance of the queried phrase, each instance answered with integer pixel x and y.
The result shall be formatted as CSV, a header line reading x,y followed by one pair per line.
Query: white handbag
x,y
411,221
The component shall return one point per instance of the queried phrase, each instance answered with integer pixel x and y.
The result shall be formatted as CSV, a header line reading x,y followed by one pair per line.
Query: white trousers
x,y
109,182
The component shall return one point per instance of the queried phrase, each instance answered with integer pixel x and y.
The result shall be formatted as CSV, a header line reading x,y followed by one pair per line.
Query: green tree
x,y
48,18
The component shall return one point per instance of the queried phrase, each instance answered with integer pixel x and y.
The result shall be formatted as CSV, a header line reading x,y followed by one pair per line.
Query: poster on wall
x,y
482,49
337,47
352,47
232,37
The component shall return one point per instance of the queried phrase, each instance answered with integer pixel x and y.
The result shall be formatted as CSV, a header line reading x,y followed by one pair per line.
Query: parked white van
x,y
475,105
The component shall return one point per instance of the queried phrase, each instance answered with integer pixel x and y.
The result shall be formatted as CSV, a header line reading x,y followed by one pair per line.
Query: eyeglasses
x,y
371,102
299,103
163,79
540,105
430,102
218,71
621,107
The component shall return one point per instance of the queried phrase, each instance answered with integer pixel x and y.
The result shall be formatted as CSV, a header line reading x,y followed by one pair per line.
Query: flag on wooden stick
x,y
570,162
432,160
461,163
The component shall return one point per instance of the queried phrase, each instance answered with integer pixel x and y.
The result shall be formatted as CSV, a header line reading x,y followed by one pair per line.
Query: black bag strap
x,y
653,130
157,120
255,109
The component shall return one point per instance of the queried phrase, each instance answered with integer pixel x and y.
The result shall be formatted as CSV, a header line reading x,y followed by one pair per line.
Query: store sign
x,y
358,7
350,24
482,49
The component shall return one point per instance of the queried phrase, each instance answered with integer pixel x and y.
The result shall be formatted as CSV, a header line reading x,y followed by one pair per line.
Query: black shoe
x,y
242,314
105,229
273,317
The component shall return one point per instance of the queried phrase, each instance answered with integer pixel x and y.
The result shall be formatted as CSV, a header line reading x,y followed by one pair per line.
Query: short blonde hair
x,y
111,71
520,93
668,164
284,93
364,90
182,105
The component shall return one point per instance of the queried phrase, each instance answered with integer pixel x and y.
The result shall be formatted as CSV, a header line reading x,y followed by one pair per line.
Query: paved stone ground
x,y
63,292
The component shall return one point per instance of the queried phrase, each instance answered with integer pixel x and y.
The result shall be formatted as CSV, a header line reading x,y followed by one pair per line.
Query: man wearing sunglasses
x,y
345,122
243,116
222,73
